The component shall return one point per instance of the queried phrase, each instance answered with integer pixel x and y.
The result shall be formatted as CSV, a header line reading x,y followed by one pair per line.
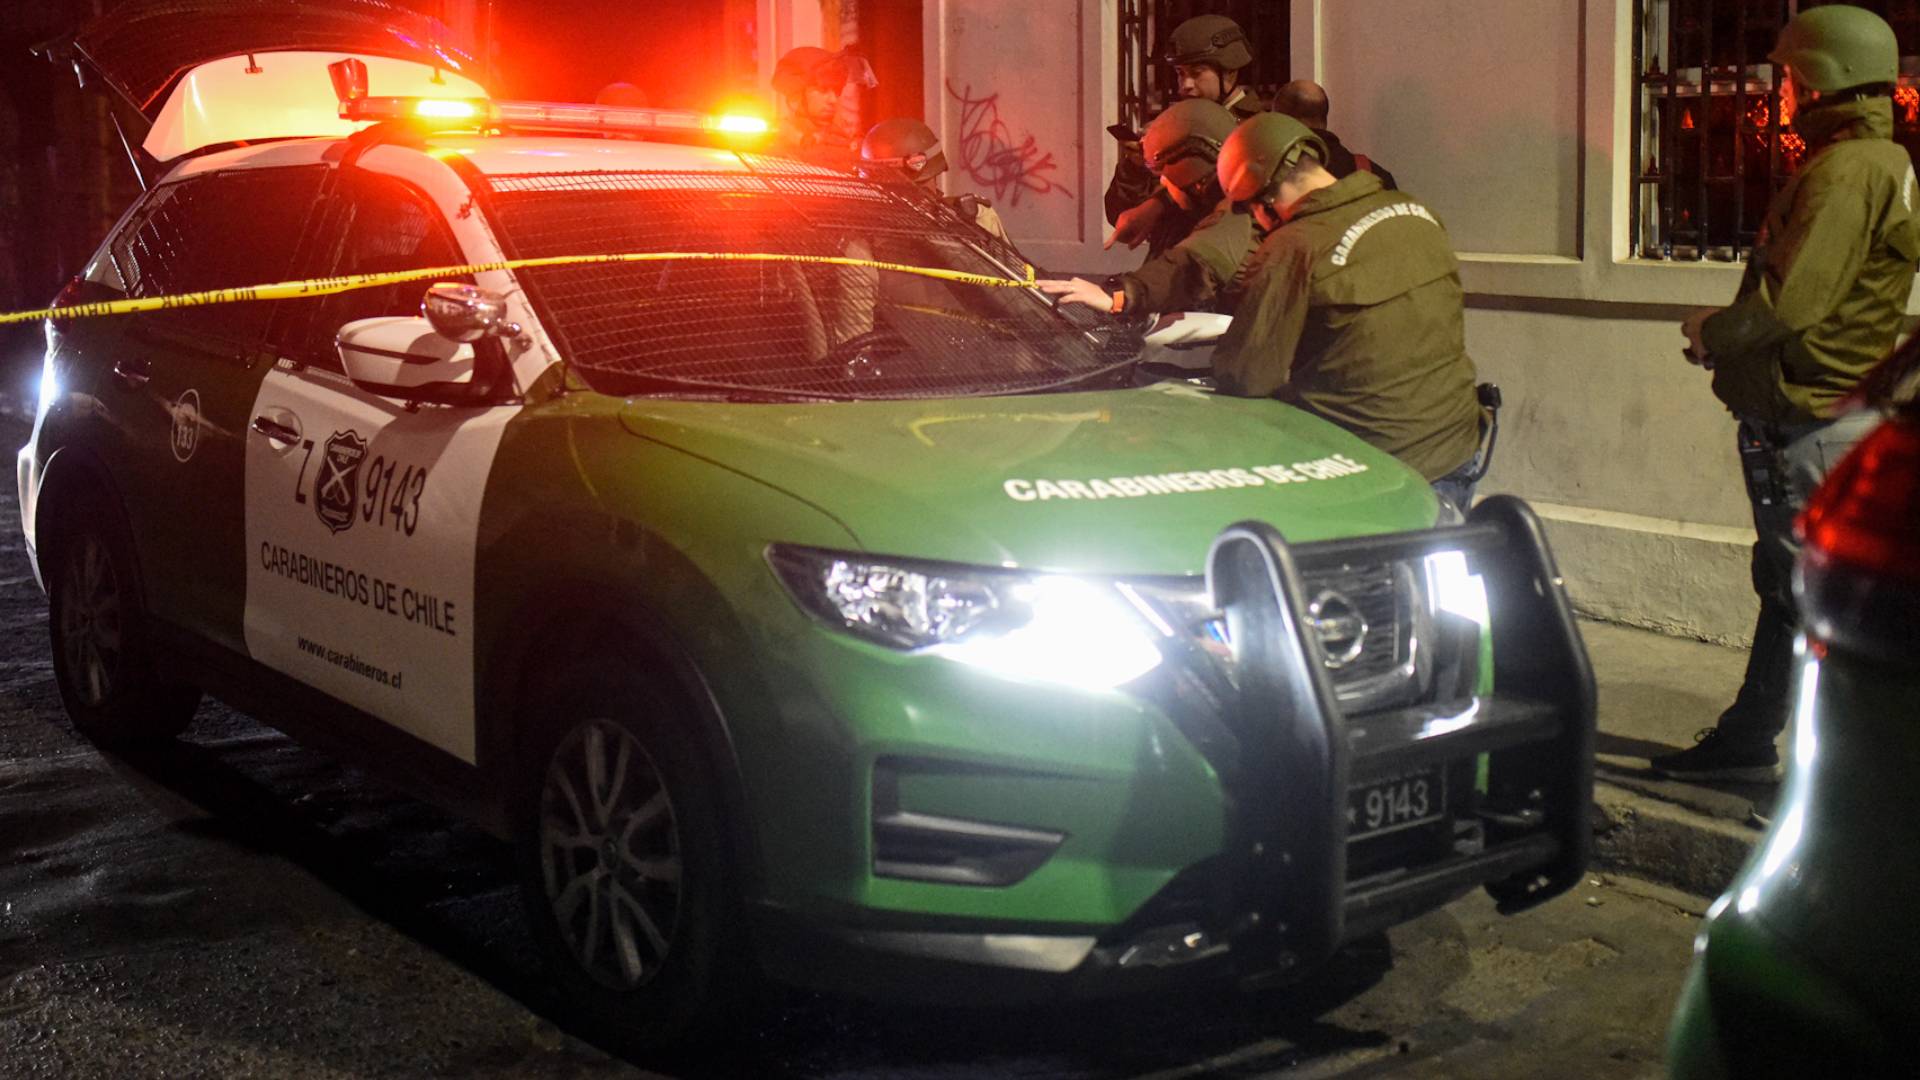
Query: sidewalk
x,y
1655,693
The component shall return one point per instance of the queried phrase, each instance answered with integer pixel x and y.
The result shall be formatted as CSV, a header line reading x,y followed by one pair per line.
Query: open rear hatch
x,y
142,48
206,73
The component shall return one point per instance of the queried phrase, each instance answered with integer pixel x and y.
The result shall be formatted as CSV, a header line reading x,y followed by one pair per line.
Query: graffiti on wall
x,y
990,156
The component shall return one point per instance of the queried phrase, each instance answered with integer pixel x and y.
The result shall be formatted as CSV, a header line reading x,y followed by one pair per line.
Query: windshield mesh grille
x,y
705,327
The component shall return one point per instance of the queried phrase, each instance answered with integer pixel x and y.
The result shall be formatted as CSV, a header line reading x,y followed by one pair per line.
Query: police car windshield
x,y
763,329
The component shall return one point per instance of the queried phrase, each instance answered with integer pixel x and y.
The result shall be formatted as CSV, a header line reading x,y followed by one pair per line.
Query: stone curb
x,y
1655,839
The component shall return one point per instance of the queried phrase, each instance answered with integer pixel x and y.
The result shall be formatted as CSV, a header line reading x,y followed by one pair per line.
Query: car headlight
x,y
1016,624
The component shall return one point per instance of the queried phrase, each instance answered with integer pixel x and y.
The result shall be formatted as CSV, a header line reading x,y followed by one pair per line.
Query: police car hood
x,y
1125,482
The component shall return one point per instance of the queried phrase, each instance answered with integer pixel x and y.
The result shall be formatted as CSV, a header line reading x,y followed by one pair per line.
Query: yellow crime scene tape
x,y
285,290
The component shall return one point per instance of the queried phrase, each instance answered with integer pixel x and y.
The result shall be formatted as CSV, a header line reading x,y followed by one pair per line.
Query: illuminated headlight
x,y
1455,588
1019,625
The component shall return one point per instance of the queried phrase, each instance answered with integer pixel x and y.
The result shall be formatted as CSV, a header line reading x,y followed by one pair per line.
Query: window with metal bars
x,y
1711,146
1147,85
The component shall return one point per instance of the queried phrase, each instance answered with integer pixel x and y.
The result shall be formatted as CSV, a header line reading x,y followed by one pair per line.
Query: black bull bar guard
x,y
1529,815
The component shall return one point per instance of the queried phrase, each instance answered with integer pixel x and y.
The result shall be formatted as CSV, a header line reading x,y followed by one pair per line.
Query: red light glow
x,y
443,109
1792,146
1866,514
736,124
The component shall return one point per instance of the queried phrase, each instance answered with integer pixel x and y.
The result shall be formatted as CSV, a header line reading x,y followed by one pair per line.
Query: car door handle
x,y
133,374
275,430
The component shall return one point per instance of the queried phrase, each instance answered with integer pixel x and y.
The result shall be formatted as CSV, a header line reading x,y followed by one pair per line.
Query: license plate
x,y
1395,803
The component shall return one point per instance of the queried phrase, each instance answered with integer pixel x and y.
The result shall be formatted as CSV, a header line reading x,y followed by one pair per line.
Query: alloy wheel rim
x,y
91,621
610,855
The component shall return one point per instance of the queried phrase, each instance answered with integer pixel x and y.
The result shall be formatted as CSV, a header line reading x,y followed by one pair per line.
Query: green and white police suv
x,y
804,596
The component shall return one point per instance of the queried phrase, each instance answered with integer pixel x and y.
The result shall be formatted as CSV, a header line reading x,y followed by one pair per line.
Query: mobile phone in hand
x,y
1123,133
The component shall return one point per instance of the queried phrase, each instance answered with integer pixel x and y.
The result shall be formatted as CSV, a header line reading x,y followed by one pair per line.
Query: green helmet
x,y
1209,39
1838,46
809,65
902,144
1260,150
1183,142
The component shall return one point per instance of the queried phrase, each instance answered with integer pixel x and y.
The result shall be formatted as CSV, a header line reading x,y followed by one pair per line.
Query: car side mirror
x,y
467,313
1184,339
403,356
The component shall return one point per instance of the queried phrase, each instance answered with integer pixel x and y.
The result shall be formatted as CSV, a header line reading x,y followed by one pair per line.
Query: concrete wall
x,y
1023,90
1511,117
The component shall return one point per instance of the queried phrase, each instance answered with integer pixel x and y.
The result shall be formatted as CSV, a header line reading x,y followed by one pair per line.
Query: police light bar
x,y
478,114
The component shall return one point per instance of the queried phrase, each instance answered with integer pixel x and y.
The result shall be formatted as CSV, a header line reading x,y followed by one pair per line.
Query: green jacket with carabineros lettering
x,y
1826,289
1353,311
1190,275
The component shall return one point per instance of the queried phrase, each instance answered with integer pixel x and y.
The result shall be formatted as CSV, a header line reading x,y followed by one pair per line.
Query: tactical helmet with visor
x,y
810,67
1183,143
1260,153
1208,39
899,147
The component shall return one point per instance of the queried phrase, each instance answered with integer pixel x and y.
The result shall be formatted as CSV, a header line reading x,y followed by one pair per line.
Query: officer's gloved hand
x,y
1078,291
1137,224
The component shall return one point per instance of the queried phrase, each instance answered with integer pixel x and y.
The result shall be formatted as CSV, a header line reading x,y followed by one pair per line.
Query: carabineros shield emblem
x,y
337,490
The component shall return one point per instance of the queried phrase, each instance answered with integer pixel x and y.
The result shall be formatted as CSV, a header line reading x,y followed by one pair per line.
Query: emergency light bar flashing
x,y
476,114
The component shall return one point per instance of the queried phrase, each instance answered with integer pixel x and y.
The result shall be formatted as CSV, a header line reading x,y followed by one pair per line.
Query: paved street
x,y
239,906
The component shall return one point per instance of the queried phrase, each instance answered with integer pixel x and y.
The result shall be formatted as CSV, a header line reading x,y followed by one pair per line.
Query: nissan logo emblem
x,y
1342,630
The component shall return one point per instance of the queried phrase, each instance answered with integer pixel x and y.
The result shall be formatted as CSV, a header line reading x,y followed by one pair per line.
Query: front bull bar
x,y
1537,726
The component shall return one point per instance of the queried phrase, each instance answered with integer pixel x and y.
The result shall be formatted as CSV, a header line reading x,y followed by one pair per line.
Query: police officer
x,y
810,85
1352,306
906,147
1208,53
1821,302
1200,243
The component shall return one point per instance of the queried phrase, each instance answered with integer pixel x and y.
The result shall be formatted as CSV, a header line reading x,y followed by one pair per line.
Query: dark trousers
x,y
1782,469
1457,486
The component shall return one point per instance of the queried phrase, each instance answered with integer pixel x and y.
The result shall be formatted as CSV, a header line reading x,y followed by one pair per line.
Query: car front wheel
x,y
623,868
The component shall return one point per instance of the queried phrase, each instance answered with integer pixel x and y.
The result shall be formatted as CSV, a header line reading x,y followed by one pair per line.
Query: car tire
x,y
625,874
103,656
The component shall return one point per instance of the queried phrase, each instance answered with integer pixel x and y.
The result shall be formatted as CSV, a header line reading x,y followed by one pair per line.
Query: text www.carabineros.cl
x,y
349,662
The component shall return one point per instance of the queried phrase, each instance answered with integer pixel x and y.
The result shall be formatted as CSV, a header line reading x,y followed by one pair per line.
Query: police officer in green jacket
x,y
1352,306
1207,52
1821,303
1188,265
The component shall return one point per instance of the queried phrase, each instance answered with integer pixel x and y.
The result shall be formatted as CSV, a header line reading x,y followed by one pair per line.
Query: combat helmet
x,y
1184,141
1260,151
902,144
809,65
1837,47
1209,39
